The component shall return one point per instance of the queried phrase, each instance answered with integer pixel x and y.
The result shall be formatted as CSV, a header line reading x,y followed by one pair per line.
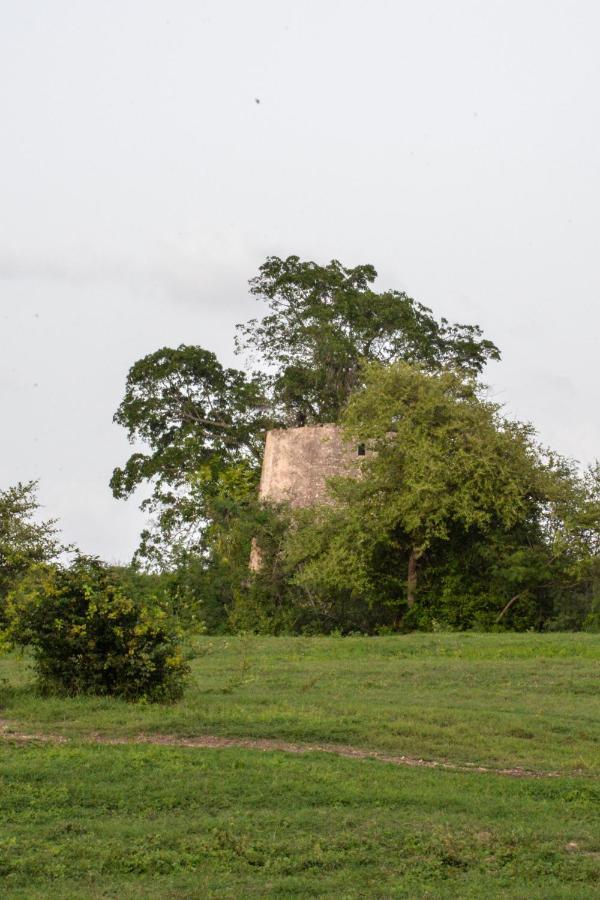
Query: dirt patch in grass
x,y
10,731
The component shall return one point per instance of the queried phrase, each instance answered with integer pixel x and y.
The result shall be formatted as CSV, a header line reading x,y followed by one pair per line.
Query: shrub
x,y
90,634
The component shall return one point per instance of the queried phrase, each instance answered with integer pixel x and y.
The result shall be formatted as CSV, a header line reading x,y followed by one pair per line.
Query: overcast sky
x,y
456,146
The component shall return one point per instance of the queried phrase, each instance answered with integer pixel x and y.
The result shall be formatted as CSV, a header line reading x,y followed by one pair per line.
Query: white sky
x,y
453,145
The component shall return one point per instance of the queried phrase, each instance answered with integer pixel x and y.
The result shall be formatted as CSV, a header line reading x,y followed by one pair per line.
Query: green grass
x,y
82,820
89,821
499,700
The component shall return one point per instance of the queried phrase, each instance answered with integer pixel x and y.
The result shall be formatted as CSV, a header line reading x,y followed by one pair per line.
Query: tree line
x,y
459,519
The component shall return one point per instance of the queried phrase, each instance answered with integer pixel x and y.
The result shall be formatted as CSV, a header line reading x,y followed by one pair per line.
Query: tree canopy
x,y
325,321
192,419
25,540
195,419
458,515
190,411
454,503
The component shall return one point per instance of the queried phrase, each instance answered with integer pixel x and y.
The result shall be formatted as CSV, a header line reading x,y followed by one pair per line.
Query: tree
x,y
216,586
450,489
443,457
324,322
24,541
197,419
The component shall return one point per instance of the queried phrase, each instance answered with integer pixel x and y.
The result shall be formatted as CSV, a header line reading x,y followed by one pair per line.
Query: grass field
x,y
83,819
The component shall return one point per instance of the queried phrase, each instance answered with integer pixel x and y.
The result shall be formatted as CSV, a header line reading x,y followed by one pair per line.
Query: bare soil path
x,y
11,731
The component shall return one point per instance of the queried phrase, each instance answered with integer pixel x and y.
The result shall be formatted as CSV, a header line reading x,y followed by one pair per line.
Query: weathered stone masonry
x,y
296,465
298,461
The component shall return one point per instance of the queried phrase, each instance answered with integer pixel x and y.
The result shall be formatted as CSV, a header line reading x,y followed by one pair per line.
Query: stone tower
x,y
296,465
298,461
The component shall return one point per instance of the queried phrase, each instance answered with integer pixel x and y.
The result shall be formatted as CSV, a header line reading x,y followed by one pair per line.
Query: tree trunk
x,y
411,582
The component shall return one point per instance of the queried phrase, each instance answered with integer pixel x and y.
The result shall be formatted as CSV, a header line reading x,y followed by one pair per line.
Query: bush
x,y
89,633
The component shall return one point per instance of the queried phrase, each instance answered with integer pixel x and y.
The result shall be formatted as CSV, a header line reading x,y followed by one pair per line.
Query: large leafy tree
x,y
192,420
198,427
451,494
325,321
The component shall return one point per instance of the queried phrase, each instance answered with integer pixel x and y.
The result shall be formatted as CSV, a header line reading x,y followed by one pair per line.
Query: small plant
x,y
90,632
3,692
241,676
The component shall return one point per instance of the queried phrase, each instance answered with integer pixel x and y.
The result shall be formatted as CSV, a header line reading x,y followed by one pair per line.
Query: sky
x,y
455,146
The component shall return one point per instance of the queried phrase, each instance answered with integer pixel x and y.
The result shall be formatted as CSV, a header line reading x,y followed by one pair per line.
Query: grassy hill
x,y
80,817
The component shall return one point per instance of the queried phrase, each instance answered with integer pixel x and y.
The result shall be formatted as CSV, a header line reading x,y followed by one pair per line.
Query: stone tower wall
x,y
298,461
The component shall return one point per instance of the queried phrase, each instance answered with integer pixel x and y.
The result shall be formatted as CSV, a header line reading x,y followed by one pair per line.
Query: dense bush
x,y
92,631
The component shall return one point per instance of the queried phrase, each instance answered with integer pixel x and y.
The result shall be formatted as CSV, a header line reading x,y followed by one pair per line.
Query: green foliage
x,y
23,540
443,455
458,520
326,321
219,584
197,593
190,411
261,599
457,516
90,631
197,419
